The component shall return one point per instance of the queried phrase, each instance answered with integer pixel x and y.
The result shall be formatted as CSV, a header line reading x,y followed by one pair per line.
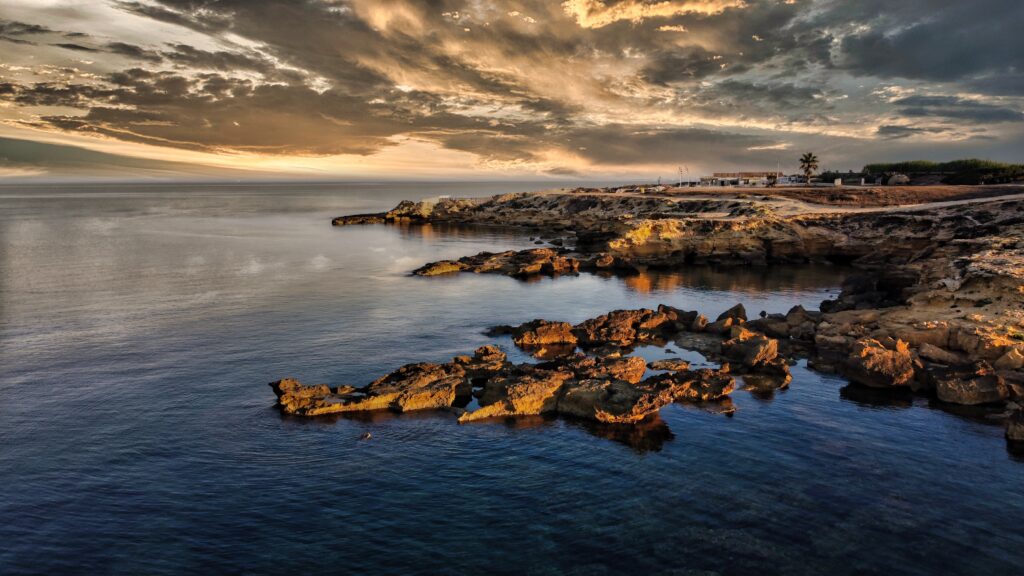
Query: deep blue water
x,y
139,326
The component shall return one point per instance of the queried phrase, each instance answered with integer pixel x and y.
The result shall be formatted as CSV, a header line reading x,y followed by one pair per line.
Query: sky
x,y
481,89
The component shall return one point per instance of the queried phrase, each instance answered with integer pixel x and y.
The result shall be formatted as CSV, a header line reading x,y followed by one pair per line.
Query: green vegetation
x,y
851,176
966,171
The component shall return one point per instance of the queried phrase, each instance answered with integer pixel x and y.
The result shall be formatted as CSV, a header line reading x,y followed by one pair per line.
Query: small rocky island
x,y
938,307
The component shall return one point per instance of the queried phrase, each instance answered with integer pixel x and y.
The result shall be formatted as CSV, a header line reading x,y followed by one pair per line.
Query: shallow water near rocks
x,y
139,326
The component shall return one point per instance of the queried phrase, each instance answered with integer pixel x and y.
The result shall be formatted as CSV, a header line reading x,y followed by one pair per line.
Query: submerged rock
x,y
1015,426
763,383
671,365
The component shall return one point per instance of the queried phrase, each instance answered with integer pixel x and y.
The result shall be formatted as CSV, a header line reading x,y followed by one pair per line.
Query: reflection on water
x,y
139,327
753,280
647,436
877,397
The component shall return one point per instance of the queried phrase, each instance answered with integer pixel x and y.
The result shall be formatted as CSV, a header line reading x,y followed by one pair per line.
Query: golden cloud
x,y
597,14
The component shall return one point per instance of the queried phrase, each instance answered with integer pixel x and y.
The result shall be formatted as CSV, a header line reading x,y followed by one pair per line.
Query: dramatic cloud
x,y
596,14
954,108
526,87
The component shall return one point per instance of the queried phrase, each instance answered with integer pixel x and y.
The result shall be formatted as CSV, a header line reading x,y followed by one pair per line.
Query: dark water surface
x,y
139,326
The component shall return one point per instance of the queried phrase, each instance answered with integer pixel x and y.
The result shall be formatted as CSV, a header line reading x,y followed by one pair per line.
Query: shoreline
x,y
937,311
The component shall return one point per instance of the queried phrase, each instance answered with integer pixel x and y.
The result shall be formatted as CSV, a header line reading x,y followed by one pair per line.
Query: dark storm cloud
x,y
191,57
935,39
12,31
76,47
614,144
1008,84
618,143
765,101
133,51
209,20
955,108
689,64
894,132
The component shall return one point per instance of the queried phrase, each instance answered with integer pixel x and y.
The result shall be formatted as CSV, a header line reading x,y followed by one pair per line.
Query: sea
x,y
141,323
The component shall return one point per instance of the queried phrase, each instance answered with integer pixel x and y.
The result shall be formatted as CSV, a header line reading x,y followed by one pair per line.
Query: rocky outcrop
x,y
518,264
527,392
439,268
704,385
626,327
937,308
872,364
358,219
611,401
294,396
607,389
970,385
751,350
543,333
485,361
629,369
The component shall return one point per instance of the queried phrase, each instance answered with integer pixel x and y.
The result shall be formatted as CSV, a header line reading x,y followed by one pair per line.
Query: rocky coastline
x,y
937,309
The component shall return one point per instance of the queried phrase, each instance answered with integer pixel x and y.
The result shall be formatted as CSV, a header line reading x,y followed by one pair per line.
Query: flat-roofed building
x,y
740,178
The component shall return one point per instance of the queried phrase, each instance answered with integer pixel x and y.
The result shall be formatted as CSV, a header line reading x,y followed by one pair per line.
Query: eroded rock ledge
x,y
604,385
939,308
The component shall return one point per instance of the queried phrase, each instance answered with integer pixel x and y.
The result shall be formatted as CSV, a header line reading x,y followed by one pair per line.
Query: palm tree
x,y
809,163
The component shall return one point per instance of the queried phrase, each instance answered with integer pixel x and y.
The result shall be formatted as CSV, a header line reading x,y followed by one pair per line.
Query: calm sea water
x,y
139,326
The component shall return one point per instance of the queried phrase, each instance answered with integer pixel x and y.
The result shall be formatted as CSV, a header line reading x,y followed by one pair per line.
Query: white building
x,y
740,178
